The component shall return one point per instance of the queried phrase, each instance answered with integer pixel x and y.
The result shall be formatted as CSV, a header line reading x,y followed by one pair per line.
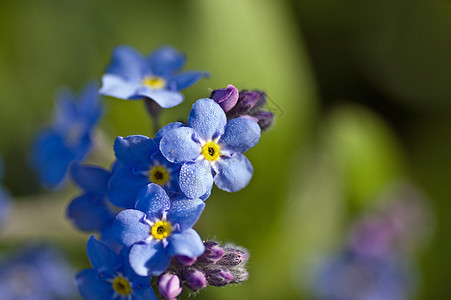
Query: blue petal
x,y
127,63
89,106
166,60
102,258
240,135
149,259
91,179
139,282
234,173
186,243
125,185
129,227
196,178
135,151
180,145
185,212
165,98
187,79
144,294
89,212
207,119
118,87
91,287
165,129
153,200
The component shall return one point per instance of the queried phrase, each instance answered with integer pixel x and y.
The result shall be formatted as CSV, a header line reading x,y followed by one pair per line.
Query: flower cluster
x,y
375,263
144,208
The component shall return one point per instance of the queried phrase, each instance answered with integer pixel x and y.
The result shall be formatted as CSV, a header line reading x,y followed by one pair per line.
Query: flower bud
x,y
226,98
185,260
194,279
239,275
213,253
233,257
169,286
218,276
246,101
265,119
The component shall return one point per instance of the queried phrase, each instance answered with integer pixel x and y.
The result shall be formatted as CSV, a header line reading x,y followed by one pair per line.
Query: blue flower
x,y
5,205
211,145
139,162
350,276
158,229
69,139
111,276
131,76
36,273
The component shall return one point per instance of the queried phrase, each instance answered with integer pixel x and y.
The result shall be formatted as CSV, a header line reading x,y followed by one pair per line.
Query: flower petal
x,y
195,178
153,200
118,87
91,179
91,287
186,79
234,173
89,212
129,227
135,151
149,259
240,135
185,212
125,185
207,119
166,60
102,258
180,145
186,243
127,63
144,294
165,129
165,98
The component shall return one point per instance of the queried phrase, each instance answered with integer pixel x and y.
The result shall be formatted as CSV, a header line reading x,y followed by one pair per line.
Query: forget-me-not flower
x,y
158,229
69,138
211,145
157,76
111,276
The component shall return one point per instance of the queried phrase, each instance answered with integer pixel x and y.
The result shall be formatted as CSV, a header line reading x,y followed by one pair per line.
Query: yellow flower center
x,y
122,286
210,151
154,82
161,230
159,175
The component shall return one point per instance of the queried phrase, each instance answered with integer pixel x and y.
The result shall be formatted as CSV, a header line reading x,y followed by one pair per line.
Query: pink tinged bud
x,y
234,257
218,276
226,98
185,260
265,119
213,253
194,279
169,286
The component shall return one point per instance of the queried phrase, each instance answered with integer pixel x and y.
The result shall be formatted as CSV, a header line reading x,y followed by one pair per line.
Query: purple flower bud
x,y
213,253
169,286
194,279
218,276
226,98
246,101
185,260
265,119
234,257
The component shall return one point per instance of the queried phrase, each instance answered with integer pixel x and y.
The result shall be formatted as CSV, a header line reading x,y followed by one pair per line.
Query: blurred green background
x,y
361,91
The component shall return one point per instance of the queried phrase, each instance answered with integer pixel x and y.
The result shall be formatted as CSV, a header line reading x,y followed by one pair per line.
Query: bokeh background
x,y
360,89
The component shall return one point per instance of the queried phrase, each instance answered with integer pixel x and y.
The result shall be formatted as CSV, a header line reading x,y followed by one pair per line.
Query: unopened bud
x,y
239,275
226,98
169,286
194,279
218,276
265,119
185,260
246,101
213,253
233,257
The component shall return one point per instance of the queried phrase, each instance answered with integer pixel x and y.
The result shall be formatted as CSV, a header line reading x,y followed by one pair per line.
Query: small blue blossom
x,y
36,273
350,276
159,229
111,276
131,76
69,139
211,145
139,162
